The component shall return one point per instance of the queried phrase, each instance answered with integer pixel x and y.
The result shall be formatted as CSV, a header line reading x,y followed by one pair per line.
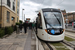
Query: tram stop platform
x,y
21,41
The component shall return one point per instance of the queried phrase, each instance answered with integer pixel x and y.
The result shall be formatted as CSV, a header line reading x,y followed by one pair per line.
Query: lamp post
x,y
22,14
24,17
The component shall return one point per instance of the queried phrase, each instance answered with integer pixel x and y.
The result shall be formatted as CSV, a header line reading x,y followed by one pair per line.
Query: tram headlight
x,y
45,30
62,31
48,31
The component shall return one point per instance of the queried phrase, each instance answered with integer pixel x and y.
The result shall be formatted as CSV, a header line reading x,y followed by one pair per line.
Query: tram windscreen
x,y
53,19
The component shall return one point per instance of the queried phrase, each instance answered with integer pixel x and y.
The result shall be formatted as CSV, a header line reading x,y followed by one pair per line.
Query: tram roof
x,y
50,9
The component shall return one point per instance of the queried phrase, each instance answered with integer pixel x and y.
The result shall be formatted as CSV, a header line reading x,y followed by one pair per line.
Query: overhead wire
x,y
60,2
57,4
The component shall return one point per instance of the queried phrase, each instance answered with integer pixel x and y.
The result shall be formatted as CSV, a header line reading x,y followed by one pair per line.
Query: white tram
x,y
50,25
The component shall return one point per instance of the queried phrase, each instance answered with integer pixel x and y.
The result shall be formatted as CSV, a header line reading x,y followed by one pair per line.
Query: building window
x,y
17,19
17,11
12,18
18,6
8,16
18,3
13,6
8,3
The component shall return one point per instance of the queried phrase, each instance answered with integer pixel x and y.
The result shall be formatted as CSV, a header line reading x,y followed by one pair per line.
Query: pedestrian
x,y
25,27
20,27
30,25
33,25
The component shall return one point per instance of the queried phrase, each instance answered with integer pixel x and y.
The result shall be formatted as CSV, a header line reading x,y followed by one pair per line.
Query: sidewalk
x,y
18,41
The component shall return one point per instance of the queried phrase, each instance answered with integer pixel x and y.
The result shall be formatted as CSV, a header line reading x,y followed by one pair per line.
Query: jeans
x,y
25,30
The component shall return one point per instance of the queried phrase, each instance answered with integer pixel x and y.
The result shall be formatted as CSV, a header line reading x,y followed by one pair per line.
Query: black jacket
x,y
25,25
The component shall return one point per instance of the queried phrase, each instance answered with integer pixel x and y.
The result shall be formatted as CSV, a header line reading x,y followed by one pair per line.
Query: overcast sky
x,y
31,6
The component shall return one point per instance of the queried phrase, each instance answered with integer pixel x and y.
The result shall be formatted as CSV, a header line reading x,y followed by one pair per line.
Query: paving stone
x,y
33,42
4,47
16,42
13,43
19,48
13,47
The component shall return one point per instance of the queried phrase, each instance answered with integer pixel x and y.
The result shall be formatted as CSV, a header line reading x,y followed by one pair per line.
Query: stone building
x,y
9,12
70,17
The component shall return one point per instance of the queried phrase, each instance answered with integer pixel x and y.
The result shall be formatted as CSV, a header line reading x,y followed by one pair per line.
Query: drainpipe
x,y
1,13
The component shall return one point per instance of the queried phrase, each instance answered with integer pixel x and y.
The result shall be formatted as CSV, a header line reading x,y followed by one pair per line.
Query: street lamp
x,y
24,17
22,14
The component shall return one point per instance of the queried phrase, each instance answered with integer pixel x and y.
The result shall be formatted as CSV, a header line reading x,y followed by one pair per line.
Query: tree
x,y
20,21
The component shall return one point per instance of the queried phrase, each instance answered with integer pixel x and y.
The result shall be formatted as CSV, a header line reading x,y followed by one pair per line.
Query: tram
x,y
50,25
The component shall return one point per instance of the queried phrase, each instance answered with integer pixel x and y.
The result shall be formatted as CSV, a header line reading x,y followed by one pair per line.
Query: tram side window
x,y
39,21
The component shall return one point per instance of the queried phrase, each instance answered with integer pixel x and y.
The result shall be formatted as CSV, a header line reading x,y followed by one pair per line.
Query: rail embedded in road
x,y
69,44
54,46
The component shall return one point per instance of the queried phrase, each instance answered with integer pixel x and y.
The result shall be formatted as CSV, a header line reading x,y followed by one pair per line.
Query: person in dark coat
x,y
30,25
20,27
25,27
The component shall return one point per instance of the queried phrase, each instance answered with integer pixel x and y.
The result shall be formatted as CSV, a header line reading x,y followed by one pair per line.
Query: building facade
x,y
9,12
70,17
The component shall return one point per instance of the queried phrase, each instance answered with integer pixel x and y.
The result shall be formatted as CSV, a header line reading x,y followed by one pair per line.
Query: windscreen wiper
x,y
56,18
49,24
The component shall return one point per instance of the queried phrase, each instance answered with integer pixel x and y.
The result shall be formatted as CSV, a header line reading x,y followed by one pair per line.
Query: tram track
x,y
48,46
70,36
69,44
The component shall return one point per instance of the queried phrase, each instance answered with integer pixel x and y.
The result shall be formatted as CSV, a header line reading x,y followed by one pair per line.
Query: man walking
x,y
25,27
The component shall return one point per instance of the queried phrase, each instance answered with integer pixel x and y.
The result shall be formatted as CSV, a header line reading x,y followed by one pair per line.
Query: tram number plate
x,y
57,31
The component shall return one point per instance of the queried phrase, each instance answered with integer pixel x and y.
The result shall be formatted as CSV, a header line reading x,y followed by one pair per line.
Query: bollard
x,y
17,29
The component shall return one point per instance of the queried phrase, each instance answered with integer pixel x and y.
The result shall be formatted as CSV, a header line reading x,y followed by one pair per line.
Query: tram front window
x,y
53,19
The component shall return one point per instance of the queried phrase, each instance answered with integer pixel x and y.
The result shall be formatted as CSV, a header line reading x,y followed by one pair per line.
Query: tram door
x,y
39,25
